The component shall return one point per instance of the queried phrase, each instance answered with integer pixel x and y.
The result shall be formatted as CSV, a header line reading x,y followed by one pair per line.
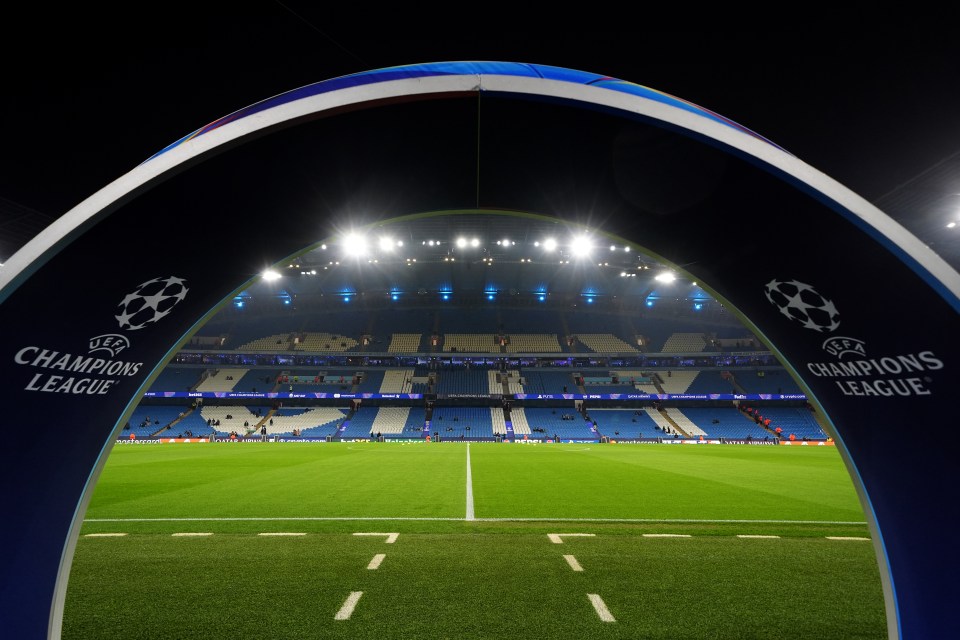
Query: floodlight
x,y
581,246
355,244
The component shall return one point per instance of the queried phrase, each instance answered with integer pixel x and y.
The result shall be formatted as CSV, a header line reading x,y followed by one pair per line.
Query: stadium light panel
x,y
666,276
270,274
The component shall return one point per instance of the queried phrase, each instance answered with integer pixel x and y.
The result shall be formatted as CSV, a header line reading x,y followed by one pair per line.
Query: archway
x,y
244,192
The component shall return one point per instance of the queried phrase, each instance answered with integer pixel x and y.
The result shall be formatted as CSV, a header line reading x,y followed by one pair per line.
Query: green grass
x,y
498,576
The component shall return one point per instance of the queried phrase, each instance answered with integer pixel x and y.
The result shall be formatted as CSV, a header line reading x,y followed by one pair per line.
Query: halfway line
x,y
469,515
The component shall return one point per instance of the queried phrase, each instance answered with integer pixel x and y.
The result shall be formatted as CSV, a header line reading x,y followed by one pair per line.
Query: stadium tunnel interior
x,y
752,226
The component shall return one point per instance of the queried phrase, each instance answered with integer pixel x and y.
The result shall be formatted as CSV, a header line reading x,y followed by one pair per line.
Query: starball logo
x,y
854,373
91,374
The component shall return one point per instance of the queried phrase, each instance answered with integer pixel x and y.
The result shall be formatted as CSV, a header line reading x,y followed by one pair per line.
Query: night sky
x,y
87,96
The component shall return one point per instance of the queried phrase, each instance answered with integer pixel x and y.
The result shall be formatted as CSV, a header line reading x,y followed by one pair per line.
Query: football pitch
x,y
487,540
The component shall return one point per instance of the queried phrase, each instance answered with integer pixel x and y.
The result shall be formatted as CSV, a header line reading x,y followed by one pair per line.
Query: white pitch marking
x,y
377,559
282,533
601,608
744,535
666,535
391,537
845,538
348,606
470,514
189,535
573,563
556,538
104,535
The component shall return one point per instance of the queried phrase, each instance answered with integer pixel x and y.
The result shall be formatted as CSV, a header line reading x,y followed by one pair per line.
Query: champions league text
x,y
73,364
885,366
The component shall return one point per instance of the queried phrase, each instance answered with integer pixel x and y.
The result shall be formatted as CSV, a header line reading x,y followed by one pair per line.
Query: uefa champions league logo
x,y
802,303
150,302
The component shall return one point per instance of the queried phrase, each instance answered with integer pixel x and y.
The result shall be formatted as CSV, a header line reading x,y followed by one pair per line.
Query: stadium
x,y
519,330
508,363
473,327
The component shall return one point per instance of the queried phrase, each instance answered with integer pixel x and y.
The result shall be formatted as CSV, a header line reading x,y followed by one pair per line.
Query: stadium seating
x,y
533,343
222,380
462,423
724,422
322,342
471,343
684,343
457,381
604,343
547,423
309,422
677,381
624,423
405,343
799,421
176,379
685,424
397,381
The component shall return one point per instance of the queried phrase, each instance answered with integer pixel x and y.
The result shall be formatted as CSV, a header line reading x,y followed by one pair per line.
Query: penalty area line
x,y
391,537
